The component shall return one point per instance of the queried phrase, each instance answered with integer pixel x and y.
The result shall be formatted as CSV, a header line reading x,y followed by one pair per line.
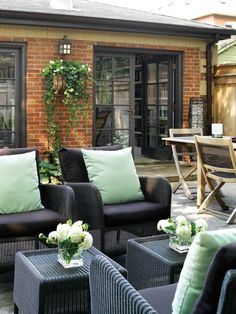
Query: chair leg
x,y
208,199
181,177
232,217
218,195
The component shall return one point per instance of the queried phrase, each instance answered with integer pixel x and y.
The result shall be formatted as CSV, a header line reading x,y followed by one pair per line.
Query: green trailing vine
x,y
68,80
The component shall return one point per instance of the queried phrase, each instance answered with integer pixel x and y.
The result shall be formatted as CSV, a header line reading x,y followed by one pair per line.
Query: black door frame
x,y
132,52
20,98
173,114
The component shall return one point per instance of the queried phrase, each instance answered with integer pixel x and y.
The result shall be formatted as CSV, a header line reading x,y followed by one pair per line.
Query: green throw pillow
x,y
19,190
113,173
195,267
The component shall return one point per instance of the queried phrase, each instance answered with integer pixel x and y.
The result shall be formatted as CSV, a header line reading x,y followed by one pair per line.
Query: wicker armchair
x,y
111,293
135,219
19,231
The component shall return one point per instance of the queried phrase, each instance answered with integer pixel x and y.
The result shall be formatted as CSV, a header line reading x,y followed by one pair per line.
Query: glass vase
x,y
178,245
70,257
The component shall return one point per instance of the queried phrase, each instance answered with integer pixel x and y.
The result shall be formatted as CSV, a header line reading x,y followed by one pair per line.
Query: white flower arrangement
x,y
182,229
72,237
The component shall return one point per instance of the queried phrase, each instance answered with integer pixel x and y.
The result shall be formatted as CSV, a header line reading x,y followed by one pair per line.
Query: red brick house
x,y
146,69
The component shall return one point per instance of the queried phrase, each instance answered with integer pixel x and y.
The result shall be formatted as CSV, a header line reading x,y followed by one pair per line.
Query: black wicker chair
x,y
111,292
19,231
114,223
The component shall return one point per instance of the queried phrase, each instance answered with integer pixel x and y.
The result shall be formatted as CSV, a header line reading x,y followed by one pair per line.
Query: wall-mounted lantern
x,y
64,46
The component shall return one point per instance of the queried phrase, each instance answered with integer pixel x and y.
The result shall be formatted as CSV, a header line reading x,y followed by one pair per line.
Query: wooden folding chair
x,y
184,156
218,162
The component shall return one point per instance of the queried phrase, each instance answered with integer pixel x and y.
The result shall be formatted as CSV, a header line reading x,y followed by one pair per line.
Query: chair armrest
x,y
59,198
156,189
88,204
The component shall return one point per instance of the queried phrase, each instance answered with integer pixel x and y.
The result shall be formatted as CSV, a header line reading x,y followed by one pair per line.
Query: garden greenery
x,y
68,79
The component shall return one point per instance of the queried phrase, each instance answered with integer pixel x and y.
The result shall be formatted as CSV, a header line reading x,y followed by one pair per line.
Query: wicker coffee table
x,y
42,285
150,262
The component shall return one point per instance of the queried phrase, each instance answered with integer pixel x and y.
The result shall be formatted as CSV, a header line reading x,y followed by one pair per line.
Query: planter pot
x,y
59,84
69,258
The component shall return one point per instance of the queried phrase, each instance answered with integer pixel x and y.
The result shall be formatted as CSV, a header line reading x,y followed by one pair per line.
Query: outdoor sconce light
x,y
64,46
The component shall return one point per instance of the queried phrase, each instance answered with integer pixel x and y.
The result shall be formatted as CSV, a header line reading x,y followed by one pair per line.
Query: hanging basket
x,y
59,84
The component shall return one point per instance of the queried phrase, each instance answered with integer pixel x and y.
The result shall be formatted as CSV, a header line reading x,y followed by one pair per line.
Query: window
x,y
12,116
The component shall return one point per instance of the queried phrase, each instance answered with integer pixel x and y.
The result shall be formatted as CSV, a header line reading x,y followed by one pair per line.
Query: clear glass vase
x,y
70,257
178,245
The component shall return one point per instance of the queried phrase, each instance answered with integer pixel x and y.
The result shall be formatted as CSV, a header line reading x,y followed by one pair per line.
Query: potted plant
x,y
68,80
72,239
181,231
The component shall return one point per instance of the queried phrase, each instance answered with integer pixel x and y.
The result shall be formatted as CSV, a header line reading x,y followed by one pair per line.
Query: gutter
x,y
209,79
108,24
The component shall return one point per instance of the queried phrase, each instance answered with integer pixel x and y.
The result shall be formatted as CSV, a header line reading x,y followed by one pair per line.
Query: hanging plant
x,y
68,79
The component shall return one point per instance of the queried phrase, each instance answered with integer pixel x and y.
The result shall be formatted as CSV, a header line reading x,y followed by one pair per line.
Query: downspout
x,y
209,78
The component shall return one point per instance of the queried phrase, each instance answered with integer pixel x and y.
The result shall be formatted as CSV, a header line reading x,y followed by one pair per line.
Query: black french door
x,y
159,105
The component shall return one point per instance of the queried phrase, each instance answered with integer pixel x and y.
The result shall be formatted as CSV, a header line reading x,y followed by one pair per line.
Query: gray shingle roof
x,y
100,14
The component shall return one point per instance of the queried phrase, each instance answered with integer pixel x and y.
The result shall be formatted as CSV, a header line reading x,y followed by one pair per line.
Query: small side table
x,y
42,285
150,262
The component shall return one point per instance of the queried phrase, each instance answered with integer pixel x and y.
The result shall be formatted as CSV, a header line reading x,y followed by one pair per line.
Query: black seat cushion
x,y
160,298
225,259
135,212
29,223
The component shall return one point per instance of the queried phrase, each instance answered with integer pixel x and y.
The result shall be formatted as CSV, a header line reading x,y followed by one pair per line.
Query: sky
x,y
180,8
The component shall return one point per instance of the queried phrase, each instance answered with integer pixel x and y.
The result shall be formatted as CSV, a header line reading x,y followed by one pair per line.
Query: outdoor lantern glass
x,y
64,46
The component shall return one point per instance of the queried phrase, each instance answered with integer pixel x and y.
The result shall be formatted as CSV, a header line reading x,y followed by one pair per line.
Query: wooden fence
x,y
224,108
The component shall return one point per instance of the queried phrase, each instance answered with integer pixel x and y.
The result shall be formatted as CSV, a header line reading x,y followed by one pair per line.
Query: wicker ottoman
x,y
42,285
150,262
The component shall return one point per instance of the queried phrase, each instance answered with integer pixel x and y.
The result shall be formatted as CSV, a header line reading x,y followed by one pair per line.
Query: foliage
x,y
50,172
73,78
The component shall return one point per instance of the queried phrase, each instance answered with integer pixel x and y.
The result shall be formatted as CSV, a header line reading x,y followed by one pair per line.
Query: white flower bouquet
x,y
71,238
181,230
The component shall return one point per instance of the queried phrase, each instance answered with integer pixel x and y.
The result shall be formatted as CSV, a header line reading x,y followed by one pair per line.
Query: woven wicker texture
x,y
157,265
111,293
51,289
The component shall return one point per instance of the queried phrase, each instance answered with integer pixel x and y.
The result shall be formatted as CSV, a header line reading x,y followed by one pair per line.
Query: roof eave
x,y
72,21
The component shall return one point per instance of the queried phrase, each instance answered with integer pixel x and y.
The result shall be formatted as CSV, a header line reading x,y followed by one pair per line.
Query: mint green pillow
x,y
19,190
113,173
195,267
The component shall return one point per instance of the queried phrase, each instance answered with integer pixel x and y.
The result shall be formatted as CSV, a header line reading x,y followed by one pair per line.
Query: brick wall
x,y
41,50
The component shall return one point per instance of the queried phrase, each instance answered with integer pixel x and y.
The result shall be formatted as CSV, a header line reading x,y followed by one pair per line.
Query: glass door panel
x,y
7,99
113,123
159,96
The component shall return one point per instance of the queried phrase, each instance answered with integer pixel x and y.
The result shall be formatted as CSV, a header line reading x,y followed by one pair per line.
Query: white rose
x,y
159,225
74,234
62,231
183,232
88,240
53,237
181,220
77,224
